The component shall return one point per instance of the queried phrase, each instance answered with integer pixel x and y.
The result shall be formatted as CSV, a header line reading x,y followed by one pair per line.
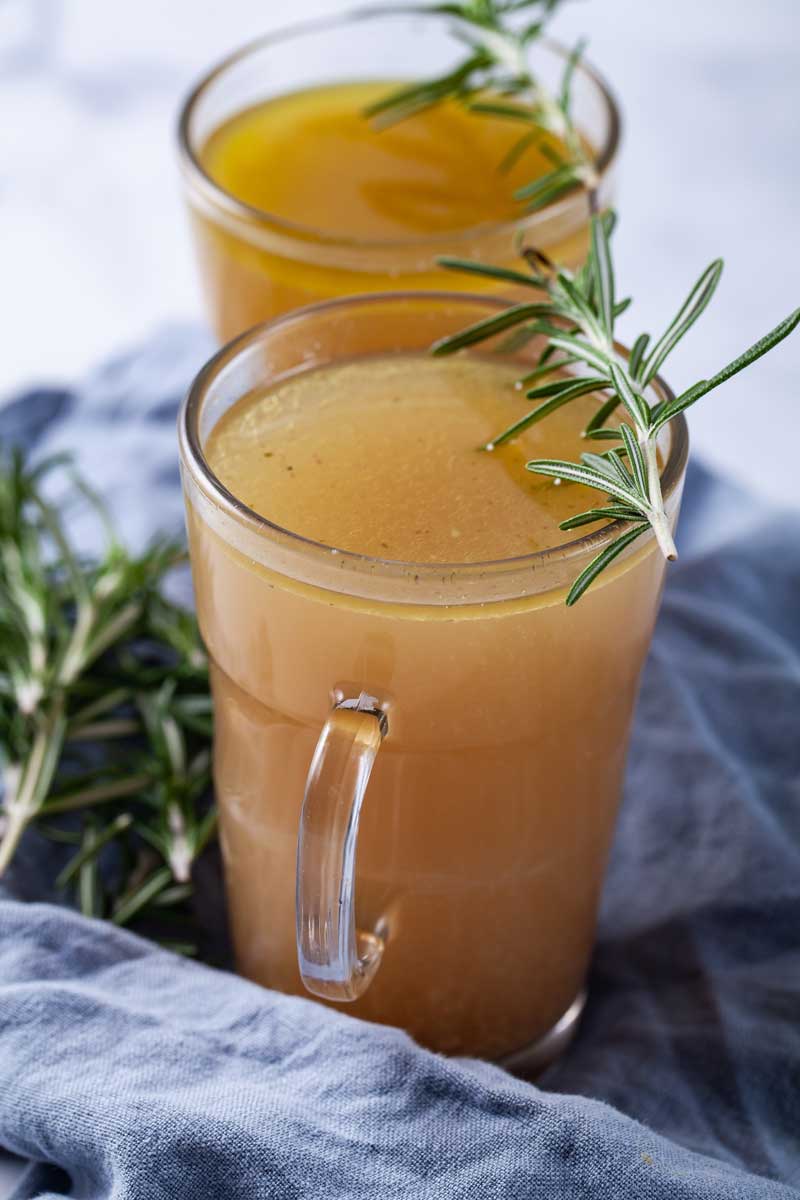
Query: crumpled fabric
x,y
127,1073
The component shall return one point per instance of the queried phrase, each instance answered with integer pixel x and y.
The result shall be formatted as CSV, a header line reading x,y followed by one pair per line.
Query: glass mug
x,y
255,265
415,814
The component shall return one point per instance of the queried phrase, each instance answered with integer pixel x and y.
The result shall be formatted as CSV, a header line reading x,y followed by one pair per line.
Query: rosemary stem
x,y
34,780
498,79
16,824
73,657
180,851
93,653
658,517
123,727
116,790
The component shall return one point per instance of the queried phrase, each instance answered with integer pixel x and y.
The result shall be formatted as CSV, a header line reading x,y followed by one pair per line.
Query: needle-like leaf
x,y
635,458
588,476
692,307
496,80
563,395
104,702
603,560
603,274
637,355
609,512
577,319
612,464
629,395
502,274
759,348
489,326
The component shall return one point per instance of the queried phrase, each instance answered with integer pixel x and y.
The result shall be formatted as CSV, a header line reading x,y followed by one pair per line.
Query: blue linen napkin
x,y
128,1073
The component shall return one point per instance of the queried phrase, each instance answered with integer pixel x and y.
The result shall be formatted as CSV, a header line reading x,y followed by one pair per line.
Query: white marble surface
x,y
94,252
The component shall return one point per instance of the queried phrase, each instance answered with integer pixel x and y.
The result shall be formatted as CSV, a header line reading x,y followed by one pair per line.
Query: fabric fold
x,y
129,1073
143,1075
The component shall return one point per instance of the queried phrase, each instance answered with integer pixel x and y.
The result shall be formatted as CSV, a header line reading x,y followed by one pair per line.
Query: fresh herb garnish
x,y
575,312
495,79
105,714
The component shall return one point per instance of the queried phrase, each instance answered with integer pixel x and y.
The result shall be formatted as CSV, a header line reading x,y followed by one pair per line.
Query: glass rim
x,y
234,206
193,456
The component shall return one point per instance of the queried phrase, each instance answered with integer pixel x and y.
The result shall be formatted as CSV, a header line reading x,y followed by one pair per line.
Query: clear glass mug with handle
x,y
418,768
255,265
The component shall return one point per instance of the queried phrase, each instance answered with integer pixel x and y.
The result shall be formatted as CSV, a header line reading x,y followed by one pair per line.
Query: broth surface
x,y
381,457
313,158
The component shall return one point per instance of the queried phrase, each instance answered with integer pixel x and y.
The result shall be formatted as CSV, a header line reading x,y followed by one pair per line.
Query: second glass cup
x,y
256,263
481,724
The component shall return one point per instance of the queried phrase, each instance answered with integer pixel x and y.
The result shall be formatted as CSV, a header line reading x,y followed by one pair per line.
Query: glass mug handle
x,y
337,961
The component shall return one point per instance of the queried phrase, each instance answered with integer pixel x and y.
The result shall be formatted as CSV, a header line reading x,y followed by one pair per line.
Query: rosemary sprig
x,y
576,318
495,79
105,715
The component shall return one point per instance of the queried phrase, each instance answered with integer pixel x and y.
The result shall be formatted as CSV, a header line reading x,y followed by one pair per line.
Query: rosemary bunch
x,y
495,79
105,715
576,316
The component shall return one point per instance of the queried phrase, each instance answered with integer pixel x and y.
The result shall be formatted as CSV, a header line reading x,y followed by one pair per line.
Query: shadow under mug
x,y
439,862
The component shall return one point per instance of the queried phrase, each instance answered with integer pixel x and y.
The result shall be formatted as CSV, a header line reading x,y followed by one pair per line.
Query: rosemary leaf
x,y
104,704
603,560
92,845
577,319
566,391
759,348
692,307
609,512
490,326
496,80
588,476
131,904
502,274
635,457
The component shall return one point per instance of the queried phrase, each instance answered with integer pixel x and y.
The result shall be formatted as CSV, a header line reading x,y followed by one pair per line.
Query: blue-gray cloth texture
x,y
127,1073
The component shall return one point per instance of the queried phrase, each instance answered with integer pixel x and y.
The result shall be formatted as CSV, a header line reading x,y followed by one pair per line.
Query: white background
x,y
94,252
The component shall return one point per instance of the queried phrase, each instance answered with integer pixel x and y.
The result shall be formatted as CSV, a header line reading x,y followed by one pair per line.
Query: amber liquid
x,y
312,159
489,814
